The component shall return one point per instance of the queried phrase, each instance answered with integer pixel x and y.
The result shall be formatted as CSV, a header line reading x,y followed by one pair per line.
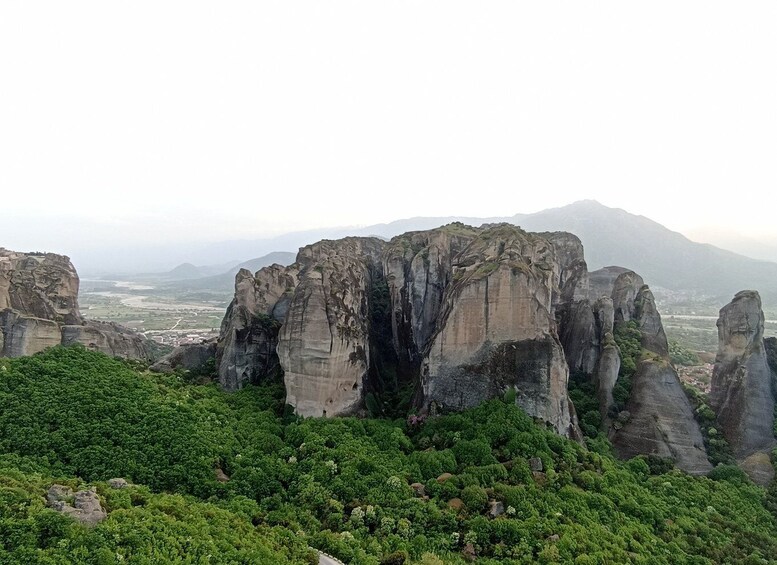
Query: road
x,y
326,560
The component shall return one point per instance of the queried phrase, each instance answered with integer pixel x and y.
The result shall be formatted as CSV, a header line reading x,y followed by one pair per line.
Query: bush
x,y
475,499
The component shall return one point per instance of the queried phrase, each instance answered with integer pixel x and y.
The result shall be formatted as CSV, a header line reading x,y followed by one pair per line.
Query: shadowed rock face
x,y
606,374
246,348
496,329
190,357
418,268
662,421
602,282
741,392
324,344
39,309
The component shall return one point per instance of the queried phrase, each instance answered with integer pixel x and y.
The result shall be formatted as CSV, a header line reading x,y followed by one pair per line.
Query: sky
x,y
148,122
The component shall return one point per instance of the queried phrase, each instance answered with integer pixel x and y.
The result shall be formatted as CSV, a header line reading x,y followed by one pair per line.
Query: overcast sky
x,y
191,121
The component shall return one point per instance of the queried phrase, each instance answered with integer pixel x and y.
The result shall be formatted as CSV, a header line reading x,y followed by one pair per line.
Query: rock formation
x,y
741,393
324,345
39,309
419,267
83,506
661,418
496,329
471,314
190,357
246,350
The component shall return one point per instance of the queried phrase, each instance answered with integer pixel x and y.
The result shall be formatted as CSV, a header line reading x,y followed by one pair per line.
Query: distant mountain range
x,y
610,236
226,279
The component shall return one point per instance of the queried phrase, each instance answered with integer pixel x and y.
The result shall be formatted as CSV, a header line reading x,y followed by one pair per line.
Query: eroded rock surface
x,y
39,285
496,329
109,338
661,418
741,394
83,506
419,268
190,357
323,345
246,349
39,309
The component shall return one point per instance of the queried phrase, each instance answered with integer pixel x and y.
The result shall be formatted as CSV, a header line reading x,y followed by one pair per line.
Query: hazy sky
x,y
165,121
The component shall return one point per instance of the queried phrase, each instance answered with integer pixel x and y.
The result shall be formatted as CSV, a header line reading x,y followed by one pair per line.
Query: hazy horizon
x,y
131,126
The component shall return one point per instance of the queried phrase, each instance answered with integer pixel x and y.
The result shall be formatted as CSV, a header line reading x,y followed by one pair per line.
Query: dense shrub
x,y
339,485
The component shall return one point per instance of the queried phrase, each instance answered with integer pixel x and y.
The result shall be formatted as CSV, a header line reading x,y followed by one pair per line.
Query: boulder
x,y
190,357
118,483
496,508
83,506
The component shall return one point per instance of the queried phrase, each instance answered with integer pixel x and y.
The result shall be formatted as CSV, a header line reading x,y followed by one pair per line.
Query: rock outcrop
x,y
741,394
39,285
324,345
83,506
109,338
419,268
25,335
39,309
496,329
472,313
661,418
246,349
192,357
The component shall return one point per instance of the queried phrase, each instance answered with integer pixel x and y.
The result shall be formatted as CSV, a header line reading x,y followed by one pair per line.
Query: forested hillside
x,y
236,478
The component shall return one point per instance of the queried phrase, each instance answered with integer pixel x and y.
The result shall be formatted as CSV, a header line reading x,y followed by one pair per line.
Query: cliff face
x,y
471,314
246,349
39,309
741,392
43,286
496,329
419,268
661,417
324,345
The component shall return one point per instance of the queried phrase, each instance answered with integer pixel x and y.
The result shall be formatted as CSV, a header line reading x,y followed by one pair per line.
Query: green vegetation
x,y
628,338
679,355
582,392
718,449
340,485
